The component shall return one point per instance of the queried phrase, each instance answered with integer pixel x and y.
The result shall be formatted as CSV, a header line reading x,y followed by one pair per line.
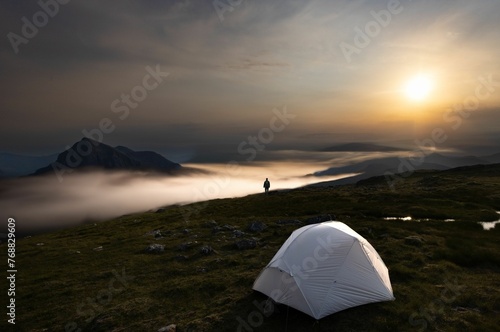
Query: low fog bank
x,y
41,204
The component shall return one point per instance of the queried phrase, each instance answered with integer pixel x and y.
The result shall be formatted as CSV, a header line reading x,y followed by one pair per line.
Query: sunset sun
x,y
418,88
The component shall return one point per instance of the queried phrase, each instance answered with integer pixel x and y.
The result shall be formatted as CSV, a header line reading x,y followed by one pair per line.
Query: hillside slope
x,y
101,277
379,166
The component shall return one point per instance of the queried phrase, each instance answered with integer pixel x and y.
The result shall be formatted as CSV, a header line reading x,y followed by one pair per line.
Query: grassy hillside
x,y
99,277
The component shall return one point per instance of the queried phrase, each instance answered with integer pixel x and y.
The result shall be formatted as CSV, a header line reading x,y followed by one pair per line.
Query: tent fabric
x,y
325,268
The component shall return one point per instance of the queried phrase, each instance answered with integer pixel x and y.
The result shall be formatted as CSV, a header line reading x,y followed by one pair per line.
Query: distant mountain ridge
x,y
379,166
12,165
360,147
95,154
494,158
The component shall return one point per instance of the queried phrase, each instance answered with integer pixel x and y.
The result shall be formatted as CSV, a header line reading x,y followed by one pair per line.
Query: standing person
x,y
267,184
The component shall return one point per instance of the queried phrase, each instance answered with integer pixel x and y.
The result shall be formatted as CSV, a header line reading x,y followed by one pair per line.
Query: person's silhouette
x,y
267,185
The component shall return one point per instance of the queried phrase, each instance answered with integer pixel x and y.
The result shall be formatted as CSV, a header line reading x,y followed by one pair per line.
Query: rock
x,y
289,222
414,240
217,229
155,248
168,328
156,233
365,231
463,309
245,244
319,219
206,250
460,309
185,231
184,246
229,227
42,244
256,227
161,210
238,233
99,323
181,258
210,223
98,248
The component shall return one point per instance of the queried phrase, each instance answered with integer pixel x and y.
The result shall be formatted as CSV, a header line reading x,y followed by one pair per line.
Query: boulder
x,y
210,224
319,219
238,233
181,258
156,233
217,229
155,248
184,246
289,222
256,227
206,250
168,328
414,240
245,244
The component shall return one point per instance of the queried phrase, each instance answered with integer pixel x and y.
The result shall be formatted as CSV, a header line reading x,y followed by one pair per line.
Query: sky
x,y
195,80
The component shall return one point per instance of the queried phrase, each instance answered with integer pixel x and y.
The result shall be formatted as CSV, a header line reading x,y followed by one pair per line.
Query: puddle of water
x,y
398,218
487,225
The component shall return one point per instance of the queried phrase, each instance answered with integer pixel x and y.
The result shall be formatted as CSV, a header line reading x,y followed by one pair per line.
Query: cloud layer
x,y
43,203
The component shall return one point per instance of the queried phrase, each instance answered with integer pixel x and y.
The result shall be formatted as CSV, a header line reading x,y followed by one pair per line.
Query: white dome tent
x,y
325,268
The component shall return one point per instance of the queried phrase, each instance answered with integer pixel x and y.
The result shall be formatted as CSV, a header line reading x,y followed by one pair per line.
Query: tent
x,y
325,268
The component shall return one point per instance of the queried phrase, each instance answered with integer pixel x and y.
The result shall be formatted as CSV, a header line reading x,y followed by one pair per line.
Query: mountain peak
x,y
103,156
86,139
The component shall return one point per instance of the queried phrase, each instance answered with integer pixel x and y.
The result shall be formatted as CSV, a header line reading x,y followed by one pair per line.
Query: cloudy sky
x,y
339,69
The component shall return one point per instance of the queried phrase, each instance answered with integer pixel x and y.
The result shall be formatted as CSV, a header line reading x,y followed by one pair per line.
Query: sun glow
x,y
419,87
